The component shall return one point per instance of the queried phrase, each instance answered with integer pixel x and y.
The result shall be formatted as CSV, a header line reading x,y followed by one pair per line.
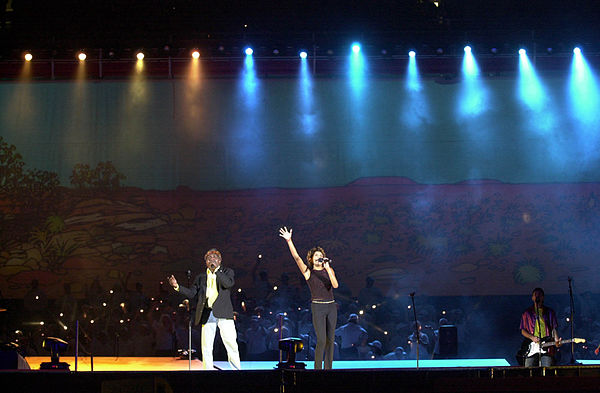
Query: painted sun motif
x,y
529,271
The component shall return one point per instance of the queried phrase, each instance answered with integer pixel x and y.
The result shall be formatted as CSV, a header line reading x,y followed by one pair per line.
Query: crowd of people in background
x,y
371,326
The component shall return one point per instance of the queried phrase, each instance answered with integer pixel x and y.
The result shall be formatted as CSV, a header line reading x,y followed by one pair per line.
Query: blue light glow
x,y
531,91
248,51
413,82
473,96
308,114
415,112
249,75
412,53
577,51
357,69
534,96
584,91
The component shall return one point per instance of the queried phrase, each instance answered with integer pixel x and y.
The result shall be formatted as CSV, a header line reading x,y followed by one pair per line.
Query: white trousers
x,y
229,337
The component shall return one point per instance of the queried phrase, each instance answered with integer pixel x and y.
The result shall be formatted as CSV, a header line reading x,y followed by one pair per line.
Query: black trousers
x,y
324,318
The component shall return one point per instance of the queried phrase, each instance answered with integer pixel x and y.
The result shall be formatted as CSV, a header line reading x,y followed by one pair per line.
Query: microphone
x,y
323,260
189,274
412,294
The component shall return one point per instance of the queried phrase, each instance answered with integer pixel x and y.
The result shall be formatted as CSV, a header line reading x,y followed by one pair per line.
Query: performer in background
x,y
211,291
539,322
321,280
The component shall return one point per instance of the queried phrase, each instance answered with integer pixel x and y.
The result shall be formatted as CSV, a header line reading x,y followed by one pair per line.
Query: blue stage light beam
x,y
533,95
584,93
247,133
415,112
249,76
357,69
413,82
474,96
308,114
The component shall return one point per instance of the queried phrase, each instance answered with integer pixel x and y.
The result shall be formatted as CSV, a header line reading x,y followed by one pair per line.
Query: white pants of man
x,y
229,337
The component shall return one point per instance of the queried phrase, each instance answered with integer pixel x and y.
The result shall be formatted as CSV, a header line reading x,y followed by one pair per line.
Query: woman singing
x,y
320,277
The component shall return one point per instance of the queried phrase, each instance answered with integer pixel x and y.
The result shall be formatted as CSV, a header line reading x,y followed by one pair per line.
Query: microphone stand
x,y
417,332
189,312
572,306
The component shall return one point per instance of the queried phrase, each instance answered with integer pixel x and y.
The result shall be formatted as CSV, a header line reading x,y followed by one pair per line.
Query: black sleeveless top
x,y
320,286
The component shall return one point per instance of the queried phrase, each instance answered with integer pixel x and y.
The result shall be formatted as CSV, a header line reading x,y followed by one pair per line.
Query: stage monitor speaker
x,y
448,343
12,360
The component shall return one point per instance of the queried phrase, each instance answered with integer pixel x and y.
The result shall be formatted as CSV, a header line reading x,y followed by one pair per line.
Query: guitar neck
x,y
552,343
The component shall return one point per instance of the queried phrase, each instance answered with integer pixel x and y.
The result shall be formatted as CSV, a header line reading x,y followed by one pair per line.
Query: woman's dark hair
x,y
310,254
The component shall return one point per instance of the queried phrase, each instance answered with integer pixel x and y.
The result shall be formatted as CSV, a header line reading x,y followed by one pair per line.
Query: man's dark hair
x,y
536,290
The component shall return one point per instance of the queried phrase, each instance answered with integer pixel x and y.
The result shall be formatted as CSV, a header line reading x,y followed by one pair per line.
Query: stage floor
x,y
176,364
163,374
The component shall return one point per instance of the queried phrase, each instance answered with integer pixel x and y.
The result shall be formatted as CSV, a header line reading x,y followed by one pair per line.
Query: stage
x,y
176,364
174,375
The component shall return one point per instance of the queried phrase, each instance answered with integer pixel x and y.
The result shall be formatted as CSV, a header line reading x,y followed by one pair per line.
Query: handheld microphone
x,y
323,260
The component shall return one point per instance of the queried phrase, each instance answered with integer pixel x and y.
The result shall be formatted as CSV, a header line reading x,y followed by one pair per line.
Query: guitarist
x,y
538,322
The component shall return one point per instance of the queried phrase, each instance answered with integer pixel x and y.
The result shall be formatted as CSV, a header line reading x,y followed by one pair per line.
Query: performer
x,y
321,280
213,307
539,322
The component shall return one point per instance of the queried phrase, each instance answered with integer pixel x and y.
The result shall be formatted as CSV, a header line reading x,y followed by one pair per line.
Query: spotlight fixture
x,y
412,53
439,51
81,56
140,55
248,51
577,51
56,346
522,52
303,54
28,56
291,346
355,48
195,54
467,49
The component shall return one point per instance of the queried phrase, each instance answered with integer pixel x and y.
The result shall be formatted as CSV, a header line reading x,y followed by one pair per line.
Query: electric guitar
x,y
533,348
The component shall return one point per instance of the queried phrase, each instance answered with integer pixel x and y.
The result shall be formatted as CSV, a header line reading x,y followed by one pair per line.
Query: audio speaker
x,y
448,340
12,360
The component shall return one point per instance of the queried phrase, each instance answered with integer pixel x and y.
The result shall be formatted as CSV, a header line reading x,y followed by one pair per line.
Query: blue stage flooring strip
x,y
589,362
380,364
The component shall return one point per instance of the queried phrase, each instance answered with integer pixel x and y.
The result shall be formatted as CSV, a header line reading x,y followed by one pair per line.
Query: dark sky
x,y
106,22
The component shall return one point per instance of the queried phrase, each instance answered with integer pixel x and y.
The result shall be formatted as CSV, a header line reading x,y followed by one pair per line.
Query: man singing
x,y
213,307
538,322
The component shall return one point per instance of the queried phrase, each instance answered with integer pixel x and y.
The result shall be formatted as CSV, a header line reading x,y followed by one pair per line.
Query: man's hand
x,y
172,281
558,341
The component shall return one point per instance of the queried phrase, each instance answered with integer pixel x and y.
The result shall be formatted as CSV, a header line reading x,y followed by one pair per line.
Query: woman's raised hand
x,y
285,233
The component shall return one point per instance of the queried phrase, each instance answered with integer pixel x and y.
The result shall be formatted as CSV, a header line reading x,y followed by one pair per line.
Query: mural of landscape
x,y
470,238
